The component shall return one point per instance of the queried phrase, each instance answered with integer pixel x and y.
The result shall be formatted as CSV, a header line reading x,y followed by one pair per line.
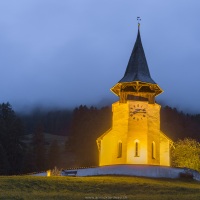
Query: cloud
x,y
66,53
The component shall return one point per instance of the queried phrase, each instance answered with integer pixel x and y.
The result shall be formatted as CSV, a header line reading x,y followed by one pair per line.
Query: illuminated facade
x,y
135,136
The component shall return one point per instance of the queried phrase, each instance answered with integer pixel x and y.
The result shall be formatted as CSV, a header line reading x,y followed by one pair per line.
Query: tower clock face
x,y
137,112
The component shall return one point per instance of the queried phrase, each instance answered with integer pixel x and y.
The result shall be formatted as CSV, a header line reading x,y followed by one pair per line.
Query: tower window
x,y
119,150
137,149
153,150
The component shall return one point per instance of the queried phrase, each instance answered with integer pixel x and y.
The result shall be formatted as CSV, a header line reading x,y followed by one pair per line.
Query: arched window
x,y
119,149
137,153
153,150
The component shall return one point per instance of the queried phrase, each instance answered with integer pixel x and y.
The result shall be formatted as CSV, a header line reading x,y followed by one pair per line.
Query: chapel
x,y
135,136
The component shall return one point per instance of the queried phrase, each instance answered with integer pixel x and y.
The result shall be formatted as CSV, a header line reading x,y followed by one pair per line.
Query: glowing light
x,y
134,139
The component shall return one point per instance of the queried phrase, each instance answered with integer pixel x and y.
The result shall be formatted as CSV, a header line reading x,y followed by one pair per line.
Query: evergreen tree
x,y
54,155
87,125
29,165
39,150
4,164
178,125
11,131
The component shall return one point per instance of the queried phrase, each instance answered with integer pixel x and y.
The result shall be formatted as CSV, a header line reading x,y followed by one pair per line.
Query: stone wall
x,y
139,170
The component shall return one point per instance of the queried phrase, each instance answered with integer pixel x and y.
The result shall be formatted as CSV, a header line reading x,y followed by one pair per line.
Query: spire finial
x,y
138,19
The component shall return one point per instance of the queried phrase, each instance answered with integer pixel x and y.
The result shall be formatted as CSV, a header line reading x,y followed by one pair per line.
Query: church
x,y
135,136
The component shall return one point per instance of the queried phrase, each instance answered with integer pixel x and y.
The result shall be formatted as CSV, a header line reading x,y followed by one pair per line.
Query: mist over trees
x,y
25,146
54,121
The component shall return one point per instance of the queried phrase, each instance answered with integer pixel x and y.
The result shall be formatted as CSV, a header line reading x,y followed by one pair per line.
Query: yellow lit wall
x,y
109,142
164,150
134,121
137,131
154,133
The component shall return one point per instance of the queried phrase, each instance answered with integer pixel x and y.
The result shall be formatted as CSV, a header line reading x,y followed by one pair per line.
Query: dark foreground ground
x,y
105,187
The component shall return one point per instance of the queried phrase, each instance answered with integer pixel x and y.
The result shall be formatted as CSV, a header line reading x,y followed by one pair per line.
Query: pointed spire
x,y
137,68
137,81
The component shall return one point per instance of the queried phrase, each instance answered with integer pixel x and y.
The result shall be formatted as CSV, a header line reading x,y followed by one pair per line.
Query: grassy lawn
x,y
104,187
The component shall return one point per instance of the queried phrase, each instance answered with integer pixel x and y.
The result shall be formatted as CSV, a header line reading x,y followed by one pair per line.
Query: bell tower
x,y
135,136
137,83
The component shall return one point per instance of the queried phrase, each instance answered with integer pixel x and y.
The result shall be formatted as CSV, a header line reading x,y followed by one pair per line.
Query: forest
x,y
26,147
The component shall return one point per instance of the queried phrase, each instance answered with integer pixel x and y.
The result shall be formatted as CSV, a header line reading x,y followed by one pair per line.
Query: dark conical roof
x,y
137,81
137,68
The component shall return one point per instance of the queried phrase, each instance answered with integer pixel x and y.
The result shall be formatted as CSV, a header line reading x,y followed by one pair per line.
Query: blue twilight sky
x,y
63,53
